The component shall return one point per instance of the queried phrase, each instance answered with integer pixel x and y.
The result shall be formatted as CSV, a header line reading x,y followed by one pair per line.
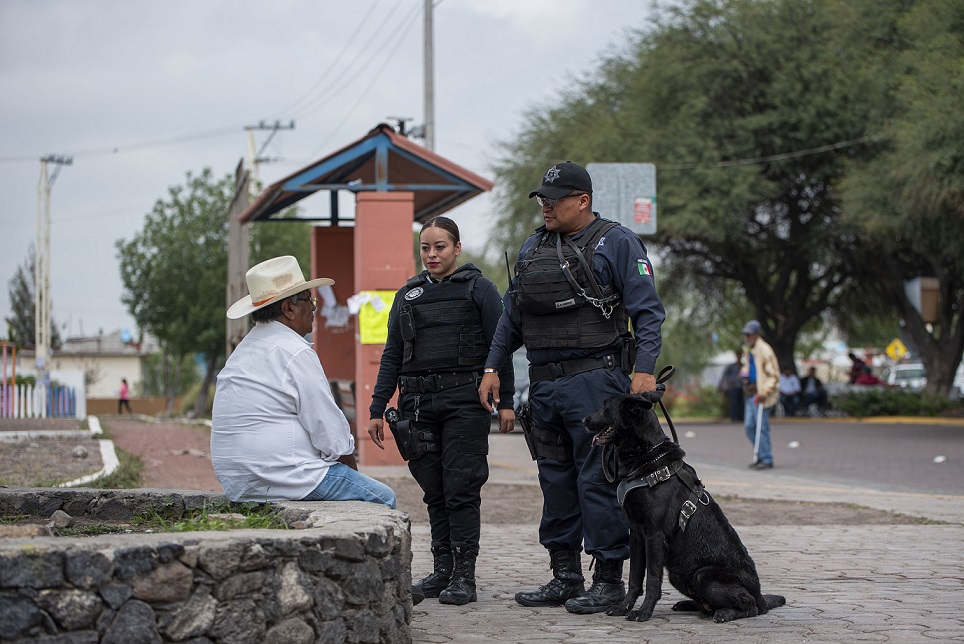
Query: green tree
x,y
21,288
910,198
750,110
174,271
281,236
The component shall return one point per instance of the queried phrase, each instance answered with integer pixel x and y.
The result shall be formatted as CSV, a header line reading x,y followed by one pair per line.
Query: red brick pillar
x,y
383,260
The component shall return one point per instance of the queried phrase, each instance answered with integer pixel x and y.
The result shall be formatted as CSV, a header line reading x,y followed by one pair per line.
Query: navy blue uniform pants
x,y
452,478
579,504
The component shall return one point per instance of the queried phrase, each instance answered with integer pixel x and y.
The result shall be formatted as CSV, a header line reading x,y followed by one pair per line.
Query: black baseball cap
x,y
563,178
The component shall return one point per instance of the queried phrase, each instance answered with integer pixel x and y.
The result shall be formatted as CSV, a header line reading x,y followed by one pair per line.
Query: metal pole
x,y
42,283
252,164
429,79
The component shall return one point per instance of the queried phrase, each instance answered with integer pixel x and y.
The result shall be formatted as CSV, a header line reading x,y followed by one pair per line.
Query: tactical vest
x,y
560,310
441,326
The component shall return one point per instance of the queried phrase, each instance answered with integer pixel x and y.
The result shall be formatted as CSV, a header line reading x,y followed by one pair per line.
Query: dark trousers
x,y
819,397
789,402
735,398
452,478
121,404
579,504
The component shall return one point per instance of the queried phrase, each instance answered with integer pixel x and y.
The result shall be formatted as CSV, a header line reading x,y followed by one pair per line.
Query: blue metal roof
x,y
382,161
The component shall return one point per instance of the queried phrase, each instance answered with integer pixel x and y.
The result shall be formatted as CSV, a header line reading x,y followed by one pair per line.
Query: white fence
x,y
31,401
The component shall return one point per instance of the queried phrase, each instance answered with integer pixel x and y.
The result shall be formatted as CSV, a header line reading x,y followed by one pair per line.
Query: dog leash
x,y
665,374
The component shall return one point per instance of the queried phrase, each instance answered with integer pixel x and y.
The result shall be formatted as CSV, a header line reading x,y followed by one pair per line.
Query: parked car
x,y
521,366
910,375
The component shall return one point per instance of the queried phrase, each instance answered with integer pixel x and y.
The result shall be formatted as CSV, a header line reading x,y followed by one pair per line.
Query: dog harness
x,y
698,493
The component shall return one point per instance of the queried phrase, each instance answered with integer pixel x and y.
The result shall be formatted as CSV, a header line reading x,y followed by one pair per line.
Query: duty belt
x,y
555,370
434,382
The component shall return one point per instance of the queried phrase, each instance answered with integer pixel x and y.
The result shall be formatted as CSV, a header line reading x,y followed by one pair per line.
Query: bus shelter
x,y
396,183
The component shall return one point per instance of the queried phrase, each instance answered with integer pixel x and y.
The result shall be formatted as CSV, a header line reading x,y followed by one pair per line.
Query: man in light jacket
x,y
762,393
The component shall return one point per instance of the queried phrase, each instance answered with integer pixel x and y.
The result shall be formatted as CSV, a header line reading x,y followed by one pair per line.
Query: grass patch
x,y
217,516
89,530
12,519
126,476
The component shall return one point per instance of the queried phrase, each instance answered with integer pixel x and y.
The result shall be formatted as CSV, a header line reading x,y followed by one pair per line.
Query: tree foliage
x,y
276,238
755,112
174,270
909,199
21,288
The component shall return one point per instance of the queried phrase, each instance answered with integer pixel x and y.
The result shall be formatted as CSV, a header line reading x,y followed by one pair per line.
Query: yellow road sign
x,y
896,350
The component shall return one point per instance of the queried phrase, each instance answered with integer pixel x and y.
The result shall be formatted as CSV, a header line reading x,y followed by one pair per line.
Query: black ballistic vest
x,y
441,326
551,311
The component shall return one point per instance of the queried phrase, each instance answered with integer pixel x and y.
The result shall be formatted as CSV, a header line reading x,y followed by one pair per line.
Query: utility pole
x,y
255,158
42,273
429,127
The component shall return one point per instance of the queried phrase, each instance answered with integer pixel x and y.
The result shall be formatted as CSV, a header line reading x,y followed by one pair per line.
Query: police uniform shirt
x,y
619,259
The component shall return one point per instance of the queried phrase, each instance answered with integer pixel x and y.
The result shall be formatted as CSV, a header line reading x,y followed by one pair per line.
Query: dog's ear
x,y
633,407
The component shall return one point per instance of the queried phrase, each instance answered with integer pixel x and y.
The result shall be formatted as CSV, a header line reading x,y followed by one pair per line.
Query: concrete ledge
x,y
345,577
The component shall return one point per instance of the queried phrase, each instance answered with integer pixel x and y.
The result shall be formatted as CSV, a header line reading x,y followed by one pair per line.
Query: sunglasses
x,y
313,300
548,202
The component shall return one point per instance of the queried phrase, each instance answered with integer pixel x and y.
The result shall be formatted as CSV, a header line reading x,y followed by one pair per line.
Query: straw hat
x,y
270,281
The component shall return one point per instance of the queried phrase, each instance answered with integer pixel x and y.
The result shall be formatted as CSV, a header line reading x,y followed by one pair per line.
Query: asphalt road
x,y
888,455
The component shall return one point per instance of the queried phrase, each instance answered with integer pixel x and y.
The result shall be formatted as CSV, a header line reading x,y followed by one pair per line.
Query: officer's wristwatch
x,y
490,370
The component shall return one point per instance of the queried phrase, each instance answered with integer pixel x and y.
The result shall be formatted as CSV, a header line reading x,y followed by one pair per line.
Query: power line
x,y
330,92
773,157
94,152
334,63
391,55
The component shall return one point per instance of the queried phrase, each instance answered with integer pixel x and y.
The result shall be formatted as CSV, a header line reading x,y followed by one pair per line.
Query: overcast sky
x,y
139,93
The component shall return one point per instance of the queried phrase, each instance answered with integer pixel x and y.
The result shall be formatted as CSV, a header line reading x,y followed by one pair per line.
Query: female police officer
x,y
439,330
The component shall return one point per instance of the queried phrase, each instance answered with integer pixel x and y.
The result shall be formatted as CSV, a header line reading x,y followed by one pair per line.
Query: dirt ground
x,y
177,456
39,462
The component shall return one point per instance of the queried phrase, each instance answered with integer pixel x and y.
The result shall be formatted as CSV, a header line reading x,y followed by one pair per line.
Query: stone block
x,y
86,569
35,569
134,622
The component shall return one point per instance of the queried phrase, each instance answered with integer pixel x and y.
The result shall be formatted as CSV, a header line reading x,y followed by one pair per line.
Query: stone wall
x,y
344,576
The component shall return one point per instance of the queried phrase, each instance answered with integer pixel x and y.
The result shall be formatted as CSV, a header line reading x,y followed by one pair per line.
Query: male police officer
x,y
580,281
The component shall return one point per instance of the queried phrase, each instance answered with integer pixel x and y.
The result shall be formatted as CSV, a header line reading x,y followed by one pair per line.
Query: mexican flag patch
x,y
643,267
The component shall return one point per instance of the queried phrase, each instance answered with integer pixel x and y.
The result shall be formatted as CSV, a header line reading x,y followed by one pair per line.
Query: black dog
x,y
673,522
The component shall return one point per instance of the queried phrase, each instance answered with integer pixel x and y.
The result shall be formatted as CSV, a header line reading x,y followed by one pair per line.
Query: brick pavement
x,y
896,583
855,583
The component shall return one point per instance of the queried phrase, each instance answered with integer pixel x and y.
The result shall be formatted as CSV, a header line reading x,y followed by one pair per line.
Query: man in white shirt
x,y
789,392
277,433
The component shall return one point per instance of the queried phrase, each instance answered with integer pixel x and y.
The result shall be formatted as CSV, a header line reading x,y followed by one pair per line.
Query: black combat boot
x,y
417,596
607,589
438,581
461,589
566,583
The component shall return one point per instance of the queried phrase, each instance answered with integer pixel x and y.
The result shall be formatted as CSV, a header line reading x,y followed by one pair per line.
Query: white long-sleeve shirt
x,y
276,428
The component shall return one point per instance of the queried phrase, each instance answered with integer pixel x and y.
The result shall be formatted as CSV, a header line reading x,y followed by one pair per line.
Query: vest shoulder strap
x,y
418,280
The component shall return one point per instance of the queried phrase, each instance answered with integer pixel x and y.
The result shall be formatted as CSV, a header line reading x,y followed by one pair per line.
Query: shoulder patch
x,y
414,293
642,265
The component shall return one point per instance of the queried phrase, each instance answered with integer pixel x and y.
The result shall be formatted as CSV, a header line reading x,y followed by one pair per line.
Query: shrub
x,y
891,402
695,401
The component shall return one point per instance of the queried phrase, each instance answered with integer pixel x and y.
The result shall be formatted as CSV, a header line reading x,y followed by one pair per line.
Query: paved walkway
x,y
897,583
